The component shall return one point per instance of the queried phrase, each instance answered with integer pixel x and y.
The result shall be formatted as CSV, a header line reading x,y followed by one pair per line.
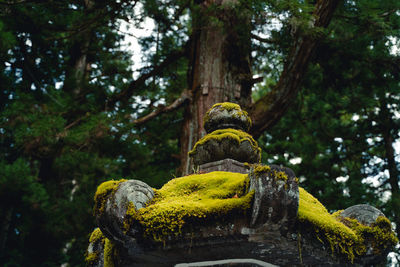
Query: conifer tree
x,y
319,79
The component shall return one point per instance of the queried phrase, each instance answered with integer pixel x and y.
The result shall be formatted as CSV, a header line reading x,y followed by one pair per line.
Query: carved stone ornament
x,y
234,211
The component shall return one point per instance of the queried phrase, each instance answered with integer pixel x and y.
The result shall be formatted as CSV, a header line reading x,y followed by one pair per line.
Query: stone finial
x,y
227,144
226,115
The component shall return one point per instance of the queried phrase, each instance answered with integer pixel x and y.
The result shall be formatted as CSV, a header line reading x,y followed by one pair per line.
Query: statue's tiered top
x,y
227,144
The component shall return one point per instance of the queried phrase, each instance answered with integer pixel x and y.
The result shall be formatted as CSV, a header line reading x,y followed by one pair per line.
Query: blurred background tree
x,y
76,110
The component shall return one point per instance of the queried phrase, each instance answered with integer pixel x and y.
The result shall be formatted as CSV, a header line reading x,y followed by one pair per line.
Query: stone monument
x,y
233,211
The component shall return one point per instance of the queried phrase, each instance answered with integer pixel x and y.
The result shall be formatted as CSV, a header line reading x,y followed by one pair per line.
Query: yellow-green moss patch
x,y
194,199
102,192
348,238
379,234
129,216
108,253
228,106
233,134
258,168
95,236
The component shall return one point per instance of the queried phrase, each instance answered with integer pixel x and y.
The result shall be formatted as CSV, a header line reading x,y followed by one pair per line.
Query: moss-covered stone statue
x,y
232,211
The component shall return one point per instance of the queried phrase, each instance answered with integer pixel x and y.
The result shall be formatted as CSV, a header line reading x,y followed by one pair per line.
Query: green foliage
x,y
65,127
337,133
61,134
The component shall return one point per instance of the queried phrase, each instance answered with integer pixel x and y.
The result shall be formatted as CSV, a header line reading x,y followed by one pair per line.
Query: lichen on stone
x,y
96,235
93,256
102,192
108,253
237,135
228,106
258,168
129,216
194,200
226,111
277,175
106,248
348,237
379,234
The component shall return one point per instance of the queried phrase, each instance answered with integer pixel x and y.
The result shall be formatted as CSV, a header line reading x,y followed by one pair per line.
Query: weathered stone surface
x,y
223,242
363,213
276,198
224,165
226,115
111,220
368,215
95,252
220,145
265,234
272,231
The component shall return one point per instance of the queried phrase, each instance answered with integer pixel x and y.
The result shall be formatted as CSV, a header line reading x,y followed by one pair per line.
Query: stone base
x,y
230,165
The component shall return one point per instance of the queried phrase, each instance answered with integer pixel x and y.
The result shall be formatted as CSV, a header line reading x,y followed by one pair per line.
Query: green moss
x,y
233,134
347,237
108,253
95,236
258,168
379,234
129,216
194,200
102,192
91,258
109,249
229,107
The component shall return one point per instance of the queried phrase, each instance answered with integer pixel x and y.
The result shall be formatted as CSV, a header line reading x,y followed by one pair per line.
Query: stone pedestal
x,y
233,211
223,165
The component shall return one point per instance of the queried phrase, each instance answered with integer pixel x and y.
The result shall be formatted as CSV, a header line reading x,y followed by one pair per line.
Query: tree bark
x,y
78,63
219,68
391,163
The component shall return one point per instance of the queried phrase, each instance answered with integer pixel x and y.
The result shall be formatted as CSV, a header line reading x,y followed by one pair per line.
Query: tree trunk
x,y
219,68
78,63
391,163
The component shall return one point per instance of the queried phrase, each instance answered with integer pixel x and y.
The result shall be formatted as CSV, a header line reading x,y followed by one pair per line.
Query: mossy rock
x,y
211,210
223,144
226,115
345,236
188,201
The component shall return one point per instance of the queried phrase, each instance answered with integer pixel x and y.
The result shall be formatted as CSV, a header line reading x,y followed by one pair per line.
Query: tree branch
x,y
164,109
269,109
126,94
261,39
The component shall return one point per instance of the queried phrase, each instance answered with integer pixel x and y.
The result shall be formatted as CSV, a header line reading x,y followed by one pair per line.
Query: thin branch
x,y
186,95
126,94
261,39
270,108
